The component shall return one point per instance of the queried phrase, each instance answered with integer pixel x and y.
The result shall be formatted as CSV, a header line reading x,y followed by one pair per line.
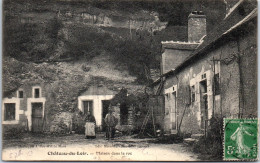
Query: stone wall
x,y
130,122
171,58
229,74
156,103
248,62
130,117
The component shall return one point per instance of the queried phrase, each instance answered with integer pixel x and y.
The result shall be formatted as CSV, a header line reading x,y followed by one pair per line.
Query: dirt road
x,y
76,147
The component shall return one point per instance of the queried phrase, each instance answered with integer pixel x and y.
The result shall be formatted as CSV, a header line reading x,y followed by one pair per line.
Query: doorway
x,y
203,103
123,114
37,117
105,107
173,112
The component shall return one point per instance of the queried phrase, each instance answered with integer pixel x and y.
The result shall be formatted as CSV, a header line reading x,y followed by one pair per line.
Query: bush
x,y
78,122
13,132
212,145
60,128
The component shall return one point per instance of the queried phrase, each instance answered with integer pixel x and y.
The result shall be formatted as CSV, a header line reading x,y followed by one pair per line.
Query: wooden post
x,y
214,88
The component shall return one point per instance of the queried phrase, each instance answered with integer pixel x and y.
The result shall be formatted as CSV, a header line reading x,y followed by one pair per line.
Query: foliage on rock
x,y
78,120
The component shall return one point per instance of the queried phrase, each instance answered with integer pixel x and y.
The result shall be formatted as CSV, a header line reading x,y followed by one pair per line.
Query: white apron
x,y
90,129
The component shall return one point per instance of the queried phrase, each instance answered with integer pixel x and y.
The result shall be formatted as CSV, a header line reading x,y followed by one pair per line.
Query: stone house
x,y
97,99
211,75
25,108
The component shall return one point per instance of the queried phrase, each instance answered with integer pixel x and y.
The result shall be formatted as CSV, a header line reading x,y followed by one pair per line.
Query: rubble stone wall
x,y
248,53
190,112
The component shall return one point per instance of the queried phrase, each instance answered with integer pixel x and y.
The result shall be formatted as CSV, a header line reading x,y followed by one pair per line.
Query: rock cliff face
x,y
60,31
151,23
144,20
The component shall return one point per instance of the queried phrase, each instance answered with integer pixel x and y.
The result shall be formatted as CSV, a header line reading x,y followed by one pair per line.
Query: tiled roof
x,y
180,45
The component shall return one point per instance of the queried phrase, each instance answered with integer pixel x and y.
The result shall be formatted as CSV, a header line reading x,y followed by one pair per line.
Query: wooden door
x,y
37,117
203,103
173,112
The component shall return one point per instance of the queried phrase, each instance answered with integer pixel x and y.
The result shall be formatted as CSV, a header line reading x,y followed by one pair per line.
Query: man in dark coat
x,y
111,122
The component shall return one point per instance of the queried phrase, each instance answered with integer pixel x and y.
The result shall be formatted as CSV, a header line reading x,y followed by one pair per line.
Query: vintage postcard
x,y
130,80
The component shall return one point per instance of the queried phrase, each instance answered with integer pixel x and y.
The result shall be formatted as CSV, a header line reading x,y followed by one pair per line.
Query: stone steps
x,y
189,141
194,138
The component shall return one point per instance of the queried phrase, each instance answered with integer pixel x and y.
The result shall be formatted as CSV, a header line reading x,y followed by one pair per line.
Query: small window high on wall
x,y
20,94
9,111
37,93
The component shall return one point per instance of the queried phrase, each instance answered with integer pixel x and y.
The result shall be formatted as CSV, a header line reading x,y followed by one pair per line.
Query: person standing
x,y
111,122
90,126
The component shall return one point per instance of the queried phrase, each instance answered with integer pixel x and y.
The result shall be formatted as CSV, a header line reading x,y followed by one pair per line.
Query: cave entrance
x,y
123,114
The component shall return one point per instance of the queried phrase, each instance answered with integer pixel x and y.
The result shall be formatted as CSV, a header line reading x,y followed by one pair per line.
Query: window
x,y
9,111
20,94
216,78
88,107
203,87
216,84
36,93
193,93
203,76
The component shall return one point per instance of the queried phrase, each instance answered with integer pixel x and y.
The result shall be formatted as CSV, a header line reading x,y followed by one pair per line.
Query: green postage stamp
x,y
240,139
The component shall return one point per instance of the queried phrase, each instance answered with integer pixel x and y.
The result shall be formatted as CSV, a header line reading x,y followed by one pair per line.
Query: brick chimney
x,y
196,26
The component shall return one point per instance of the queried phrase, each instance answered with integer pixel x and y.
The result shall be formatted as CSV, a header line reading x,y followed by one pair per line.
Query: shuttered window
x,y
216,84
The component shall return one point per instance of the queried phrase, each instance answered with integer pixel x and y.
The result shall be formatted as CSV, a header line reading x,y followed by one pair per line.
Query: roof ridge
x,y
251,15
233,8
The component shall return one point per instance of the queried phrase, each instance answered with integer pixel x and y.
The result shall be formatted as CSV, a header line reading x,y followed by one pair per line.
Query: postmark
x,y
240,139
